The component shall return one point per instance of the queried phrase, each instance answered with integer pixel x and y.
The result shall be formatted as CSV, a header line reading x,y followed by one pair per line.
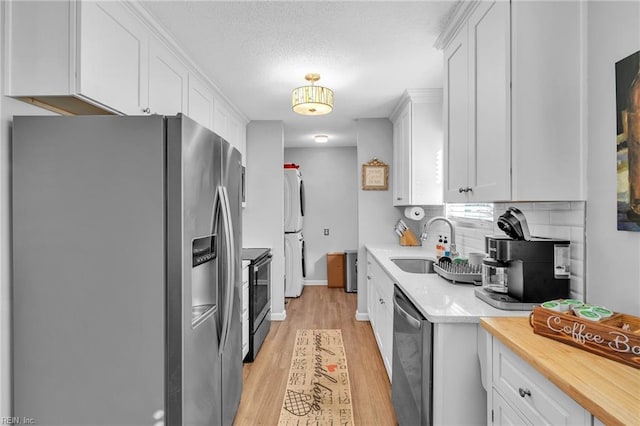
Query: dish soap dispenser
x,y
445,247
439,248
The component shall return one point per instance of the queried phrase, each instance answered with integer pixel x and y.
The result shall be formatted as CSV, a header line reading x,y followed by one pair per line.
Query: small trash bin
x,y
351,271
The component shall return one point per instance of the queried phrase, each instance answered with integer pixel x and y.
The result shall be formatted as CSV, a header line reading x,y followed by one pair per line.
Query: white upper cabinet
x,y
548,61
200,101
512,102
90,57
73,56
457,101
221,120
402,157
112,44
230,128
417,148
489,144
168,81
477,144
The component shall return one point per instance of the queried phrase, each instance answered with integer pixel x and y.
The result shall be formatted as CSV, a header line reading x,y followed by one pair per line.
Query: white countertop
x,y
438,299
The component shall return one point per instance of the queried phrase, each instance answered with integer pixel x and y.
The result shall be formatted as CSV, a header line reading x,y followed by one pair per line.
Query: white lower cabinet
x,y
380,307
518,394
503,414
245,308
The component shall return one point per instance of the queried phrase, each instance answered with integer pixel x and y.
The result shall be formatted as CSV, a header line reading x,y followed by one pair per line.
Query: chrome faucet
x,y
452,245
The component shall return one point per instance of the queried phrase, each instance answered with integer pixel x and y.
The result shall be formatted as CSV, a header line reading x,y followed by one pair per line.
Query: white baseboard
x,y
315,282
362,316
278,316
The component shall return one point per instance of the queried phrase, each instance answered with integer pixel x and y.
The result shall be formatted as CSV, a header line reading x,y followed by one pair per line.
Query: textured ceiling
x,y
257,52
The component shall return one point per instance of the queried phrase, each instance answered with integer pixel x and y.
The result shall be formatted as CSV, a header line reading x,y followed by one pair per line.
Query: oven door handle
x,y
263,261
413,322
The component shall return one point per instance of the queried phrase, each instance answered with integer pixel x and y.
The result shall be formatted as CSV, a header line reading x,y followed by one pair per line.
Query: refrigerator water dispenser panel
x,y
203,279
204,250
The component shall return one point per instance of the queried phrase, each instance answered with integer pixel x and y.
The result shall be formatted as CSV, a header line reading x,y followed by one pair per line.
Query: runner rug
x,y
318,390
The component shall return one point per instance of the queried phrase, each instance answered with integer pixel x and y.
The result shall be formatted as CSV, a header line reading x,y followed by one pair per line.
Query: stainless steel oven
x,y
259,298
412,363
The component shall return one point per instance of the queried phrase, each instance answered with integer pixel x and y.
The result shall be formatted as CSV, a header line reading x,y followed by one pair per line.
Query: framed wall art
x,y
375,175
628,142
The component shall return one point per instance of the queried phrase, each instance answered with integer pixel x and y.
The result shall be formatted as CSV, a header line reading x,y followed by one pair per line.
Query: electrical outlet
x,y
326,231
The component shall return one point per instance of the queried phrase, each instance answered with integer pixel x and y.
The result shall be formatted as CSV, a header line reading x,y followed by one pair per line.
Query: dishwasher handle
x,y
411,320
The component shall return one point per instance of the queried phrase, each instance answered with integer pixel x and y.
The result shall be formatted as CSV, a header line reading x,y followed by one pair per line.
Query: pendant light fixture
x,y
312,100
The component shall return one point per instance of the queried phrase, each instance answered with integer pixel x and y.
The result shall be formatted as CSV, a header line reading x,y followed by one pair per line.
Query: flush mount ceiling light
x,y
321,138
312,100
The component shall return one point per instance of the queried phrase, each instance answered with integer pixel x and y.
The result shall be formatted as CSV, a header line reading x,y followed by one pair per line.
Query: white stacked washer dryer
x,y
294,249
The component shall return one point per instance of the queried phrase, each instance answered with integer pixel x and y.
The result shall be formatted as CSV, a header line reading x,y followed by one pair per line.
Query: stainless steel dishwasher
x,y
412,362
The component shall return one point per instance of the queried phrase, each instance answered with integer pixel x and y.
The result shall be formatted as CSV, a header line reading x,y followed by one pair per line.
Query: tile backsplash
x,y
566,220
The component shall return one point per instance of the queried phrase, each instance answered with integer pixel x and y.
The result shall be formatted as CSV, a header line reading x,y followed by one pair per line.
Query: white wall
x,y
376,213
8,108
263,224
331,197
613,257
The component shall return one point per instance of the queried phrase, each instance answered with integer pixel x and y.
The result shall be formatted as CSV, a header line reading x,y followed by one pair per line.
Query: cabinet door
x,y
426,152
374,310
490,141
221,120
112,47
539,400
386,332
456,117
200,102
167,80
371,291
402,158
385,317
235,133
548,62
503,414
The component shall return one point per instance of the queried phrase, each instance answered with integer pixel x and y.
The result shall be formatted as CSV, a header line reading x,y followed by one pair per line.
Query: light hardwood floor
x,y
318,307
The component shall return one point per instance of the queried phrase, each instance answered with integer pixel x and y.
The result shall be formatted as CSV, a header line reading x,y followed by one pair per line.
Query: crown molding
x,y
459,14
433,96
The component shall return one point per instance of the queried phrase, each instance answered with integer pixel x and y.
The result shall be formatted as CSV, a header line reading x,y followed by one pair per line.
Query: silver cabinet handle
x,y
467,189
524,392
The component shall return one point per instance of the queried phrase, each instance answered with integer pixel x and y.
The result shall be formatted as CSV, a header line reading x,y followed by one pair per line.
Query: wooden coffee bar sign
x,y
616,338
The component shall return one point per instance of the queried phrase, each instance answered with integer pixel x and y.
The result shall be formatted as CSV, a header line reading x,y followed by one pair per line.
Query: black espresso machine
x,y
522,271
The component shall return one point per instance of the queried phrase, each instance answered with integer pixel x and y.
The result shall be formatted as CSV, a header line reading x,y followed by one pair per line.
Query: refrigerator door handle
x,y
230,248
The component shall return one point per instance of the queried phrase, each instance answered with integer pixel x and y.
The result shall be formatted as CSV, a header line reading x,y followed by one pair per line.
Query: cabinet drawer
x,y
539,400
245,298
245,272
504,414
245,328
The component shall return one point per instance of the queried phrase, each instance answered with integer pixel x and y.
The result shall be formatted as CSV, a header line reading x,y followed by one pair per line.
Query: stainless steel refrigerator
x,y
126,272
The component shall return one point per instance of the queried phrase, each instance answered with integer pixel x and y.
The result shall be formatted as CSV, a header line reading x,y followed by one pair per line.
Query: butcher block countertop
x,y
607,389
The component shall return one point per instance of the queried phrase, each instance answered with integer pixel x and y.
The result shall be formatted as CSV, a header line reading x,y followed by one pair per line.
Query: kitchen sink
x,y
414,265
